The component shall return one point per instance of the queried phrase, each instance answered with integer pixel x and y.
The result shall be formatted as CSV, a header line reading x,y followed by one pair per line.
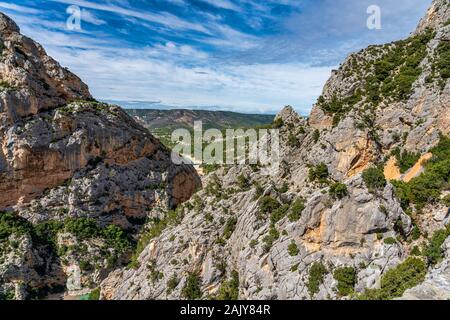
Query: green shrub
x,y
384,210
442,63
243,182
13,224
284,188
116,238
279,214
5,86
94,295
172,283
259,190
292,140
427,187
253,243
374,179
214,187
46,232
154,275
390,241
416,251
397,280
191,289
278,123
319,173
209,168
7,295
229,290
82,228
268,205
229,228
338,190
346,278
446,200
415,233
268,240
296,210
316,277
434,251
405,159
339,107
316,135
293,249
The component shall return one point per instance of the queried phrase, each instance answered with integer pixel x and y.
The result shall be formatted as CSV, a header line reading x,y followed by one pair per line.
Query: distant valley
x,y
162,122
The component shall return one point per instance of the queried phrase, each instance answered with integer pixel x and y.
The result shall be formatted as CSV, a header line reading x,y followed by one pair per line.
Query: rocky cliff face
x,y
78,178
333,224
437,282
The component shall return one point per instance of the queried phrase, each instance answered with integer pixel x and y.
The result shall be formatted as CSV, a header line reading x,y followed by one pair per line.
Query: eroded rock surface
x,y
284,236
66,161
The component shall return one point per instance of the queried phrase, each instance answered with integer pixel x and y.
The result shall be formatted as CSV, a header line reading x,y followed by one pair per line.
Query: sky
x,y
239,55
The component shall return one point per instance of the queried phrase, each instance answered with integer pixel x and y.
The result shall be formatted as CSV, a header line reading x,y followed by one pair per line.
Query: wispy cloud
x,y
241,55
22,9
89,17
163,18
223,4
254,88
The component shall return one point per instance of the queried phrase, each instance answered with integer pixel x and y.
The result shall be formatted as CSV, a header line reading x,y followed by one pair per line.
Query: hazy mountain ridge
x,y
182,118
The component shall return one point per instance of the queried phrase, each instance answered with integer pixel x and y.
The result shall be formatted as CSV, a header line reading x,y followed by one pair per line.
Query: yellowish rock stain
x,y
392,172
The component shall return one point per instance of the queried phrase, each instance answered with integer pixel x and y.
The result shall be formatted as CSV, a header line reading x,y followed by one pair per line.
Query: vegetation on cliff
x,y
428,187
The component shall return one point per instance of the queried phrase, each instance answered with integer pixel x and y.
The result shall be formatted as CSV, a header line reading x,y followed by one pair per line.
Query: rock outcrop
x,y
323,219
31,80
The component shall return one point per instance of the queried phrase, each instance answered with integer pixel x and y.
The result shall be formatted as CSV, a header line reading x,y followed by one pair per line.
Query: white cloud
x,y
89,17
163,18
177,2
135,76
21,9
230,39
172,73
223,4
173,49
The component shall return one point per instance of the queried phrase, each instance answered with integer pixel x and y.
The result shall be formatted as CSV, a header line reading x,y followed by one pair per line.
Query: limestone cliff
x,y
328,225
78,178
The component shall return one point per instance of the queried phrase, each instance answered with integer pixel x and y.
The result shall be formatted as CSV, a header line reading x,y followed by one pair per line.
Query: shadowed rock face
x,y
63,154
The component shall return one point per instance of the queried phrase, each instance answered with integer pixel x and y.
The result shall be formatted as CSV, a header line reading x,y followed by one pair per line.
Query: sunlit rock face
x,y
226,230
65,155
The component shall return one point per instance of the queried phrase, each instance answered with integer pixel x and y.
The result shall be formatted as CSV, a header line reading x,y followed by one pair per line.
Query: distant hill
x,y
155,120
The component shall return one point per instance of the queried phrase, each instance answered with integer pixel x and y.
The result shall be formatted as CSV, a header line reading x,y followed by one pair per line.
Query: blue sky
x,y
240,55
